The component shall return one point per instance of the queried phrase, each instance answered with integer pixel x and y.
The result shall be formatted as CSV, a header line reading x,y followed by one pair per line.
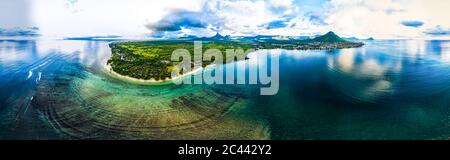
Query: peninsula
x,y
150,60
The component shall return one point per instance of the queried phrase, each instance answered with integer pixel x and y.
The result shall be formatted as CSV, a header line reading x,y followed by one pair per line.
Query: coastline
x,y
111,72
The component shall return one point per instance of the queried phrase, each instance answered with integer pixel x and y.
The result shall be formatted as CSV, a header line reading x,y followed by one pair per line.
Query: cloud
x,y
414,24
176,20
234,17
12,32
315,18
71,2
280,6
438,31
80,18
362,18
381,19
72,5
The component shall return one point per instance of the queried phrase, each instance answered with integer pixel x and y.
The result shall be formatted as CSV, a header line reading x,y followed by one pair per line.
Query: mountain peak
x,y
331,33
329,37
218,35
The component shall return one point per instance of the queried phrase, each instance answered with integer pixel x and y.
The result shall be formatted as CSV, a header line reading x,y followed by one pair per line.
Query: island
x,y
150,60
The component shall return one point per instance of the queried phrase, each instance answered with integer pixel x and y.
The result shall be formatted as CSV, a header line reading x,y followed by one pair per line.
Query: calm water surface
x,y
53,89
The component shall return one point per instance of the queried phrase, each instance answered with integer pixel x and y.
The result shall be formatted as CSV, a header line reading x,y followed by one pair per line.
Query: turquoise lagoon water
x,y
55,89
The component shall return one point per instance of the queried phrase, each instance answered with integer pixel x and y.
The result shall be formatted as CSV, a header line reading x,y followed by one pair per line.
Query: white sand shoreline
x,y
150,81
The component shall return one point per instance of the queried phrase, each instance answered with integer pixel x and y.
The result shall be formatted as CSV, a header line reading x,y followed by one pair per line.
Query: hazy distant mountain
x,y
98,38
370,39
13,32
258,37
303,37
189,37
329,37
217,37
353,39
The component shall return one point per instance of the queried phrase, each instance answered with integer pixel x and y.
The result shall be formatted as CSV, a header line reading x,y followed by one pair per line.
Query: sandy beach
x,y
109,70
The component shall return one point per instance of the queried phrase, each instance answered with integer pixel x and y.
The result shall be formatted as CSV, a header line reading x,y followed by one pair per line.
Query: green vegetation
x,y
151,59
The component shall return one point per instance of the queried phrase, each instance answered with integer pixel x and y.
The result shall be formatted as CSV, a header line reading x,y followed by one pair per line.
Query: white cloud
x,y
382,18
243,16
101,17
239,17
360,18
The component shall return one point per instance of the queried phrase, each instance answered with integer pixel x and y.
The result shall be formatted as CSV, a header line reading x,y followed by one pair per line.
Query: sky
x,y
381,19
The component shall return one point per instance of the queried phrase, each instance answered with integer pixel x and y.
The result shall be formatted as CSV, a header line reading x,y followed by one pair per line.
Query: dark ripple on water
x,y
68,108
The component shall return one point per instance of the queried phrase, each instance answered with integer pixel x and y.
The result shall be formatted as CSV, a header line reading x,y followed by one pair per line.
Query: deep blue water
x,y
384,90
